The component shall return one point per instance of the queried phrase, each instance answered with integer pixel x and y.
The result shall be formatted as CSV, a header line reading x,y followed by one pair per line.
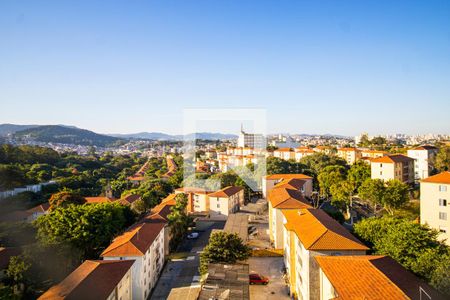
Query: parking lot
x,y
271,267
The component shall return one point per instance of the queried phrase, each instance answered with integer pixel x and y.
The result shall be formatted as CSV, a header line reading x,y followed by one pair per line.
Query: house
x,y
434,204
99,199
284,153
95,280
269,182
396,166
225,201
160,213
37,211
198,200
129,199
309,233
283,197
369,277
350,155
423,157
144,243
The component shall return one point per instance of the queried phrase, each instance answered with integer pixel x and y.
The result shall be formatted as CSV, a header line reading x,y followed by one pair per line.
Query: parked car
x,y
193,235
258,279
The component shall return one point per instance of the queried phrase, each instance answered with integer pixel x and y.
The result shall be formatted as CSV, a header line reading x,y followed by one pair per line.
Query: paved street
x,y
271,267
183,272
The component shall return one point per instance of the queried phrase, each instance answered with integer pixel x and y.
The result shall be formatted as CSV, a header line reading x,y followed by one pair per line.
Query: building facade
x,y
391,167
226,201
423,157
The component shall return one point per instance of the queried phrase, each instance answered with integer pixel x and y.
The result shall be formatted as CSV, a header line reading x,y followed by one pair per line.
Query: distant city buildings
x,y
251,140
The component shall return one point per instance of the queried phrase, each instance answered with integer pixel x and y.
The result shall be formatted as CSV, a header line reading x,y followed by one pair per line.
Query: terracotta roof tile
x,y
283,197
98,199
91,280
372,277
443,177
287,176
395,158
318,231
226,192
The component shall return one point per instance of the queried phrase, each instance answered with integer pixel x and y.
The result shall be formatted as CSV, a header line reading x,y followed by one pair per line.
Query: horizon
x,y
327,67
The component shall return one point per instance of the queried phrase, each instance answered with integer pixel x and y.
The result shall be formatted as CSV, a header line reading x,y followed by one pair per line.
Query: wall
x,y
429,208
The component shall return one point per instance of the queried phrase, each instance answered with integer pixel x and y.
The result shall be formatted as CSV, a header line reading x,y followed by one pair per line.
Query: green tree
x,y
372,190
178,220
65,198
87,228
225,248
330,176
342,193
318,161
395,196
442,160
358,173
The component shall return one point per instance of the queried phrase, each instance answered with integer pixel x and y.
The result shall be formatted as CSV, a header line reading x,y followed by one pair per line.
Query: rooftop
x,y
372,277
237,223
287,197
395,158
287,176
318,231
93,279
226,192
443,177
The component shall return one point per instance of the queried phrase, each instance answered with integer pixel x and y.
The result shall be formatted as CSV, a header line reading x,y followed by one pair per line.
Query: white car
x,y
193,235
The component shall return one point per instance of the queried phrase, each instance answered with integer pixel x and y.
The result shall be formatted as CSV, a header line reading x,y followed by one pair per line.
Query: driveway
x,y
271,267
183,272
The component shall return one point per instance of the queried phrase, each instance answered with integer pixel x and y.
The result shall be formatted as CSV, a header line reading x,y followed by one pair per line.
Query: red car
x,y
258,279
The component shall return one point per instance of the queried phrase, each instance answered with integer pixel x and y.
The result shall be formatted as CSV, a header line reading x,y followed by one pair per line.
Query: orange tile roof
x,y
372,277
394,158
226,192
287,176
284,198
318,231
135,241
192,190
129,199
42,208
293,183
443,177
348,149
93,279
425,147
98,199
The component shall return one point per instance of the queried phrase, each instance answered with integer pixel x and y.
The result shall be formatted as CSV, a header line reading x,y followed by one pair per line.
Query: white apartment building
x,y
198,200
144,243
434,204
226,201
350,155
309,233
96,279
390,167
251,140
423,156
269,182
284,153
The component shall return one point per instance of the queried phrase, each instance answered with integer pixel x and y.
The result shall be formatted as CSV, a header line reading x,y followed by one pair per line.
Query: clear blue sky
x,y
317,66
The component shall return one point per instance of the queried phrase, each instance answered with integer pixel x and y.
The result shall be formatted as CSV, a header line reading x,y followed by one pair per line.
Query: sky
x,y
341,67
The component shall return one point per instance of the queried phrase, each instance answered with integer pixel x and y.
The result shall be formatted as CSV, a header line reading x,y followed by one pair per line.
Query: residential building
x,y
396,166
129,200
301,152
435,204
99,199
372,153
95,280
198,200
225,201
251,140
269,182
37,211
285,196
144,243
309,233
350,155
423,157
160,214
370,277
284,153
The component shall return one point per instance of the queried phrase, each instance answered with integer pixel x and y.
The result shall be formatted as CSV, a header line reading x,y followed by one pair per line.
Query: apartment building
x,y
284,153
350,155
369,277
225,201
198,200
284,196
94,280
301,152
269,182
423,157
372,153
397,166
324,149
251,140
144,243
434,204
160,214
309,233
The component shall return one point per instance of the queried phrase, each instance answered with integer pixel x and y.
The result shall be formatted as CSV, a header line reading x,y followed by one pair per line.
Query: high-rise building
x,y
251,140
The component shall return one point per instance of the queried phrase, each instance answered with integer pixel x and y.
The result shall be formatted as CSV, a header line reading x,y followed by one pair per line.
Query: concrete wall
x,y
430,193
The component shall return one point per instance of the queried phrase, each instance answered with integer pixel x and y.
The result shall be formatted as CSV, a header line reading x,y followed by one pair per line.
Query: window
x,y
442,188
442,202
442,216
218,205
381,172
381,165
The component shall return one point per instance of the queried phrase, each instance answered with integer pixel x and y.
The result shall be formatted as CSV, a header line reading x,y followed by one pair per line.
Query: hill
x,y
178,137
6,129
65,135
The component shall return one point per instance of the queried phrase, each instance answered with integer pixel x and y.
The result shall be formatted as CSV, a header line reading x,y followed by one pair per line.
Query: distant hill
x,y
6,129
65,135
178,137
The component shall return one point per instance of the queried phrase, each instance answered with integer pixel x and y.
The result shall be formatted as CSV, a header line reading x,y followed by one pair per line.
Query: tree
x,y
318,161
414,246
372,190
330,176
65,198
442,160
395,195
342,193
139,206
358,173
17,267
87,228
178,220
223,247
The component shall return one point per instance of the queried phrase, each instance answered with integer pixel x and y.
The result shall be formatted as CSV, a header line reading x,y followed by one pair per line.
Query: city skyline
x,y
329,67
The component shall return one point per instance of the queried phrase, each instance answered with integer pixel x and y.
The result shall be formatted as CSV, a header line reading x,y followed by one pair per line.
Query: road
x,y
183,272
